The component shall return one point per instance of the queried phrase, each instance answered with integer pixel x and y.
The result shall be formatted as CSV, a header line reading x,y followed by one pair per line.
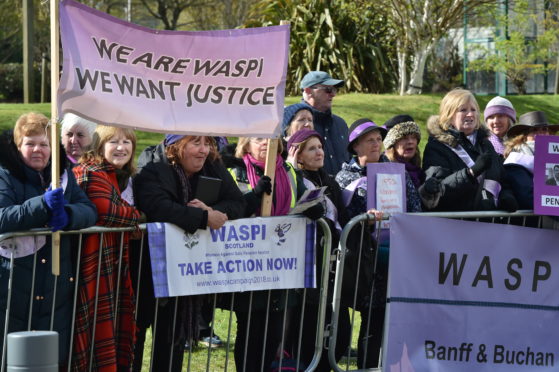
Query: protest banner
x,y
546,175
243,255
471,296
228,82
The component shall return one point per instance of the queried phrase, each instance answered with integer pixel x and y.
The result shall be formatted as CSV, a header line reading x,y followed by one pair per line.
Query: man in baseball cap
x,y
319,90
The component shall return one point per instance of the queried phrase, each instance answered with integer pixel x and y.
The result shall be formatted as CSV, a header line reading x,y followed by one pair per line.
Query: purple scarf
x,y
416,173
497,143
282,187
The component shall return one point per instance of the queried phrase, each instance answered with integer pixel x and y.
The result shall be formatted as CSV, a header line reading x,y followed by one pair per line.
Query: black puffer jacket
x,y
462,192
23,207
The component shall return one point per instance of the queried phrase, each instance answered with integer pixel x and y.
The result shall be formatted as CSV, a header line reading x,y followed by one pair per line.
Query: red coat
x,y
114,326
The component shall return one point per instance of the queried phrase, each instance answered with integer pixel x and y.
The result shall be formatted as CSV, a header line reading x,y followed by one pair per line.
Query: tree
x,y
348,38
519,53
418,25
169,11
223,14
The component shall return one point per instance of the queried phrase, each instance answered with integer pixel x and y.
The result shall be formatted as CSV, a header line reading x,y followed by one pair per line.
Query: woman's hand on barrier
x,y
199,204
216,219
377,214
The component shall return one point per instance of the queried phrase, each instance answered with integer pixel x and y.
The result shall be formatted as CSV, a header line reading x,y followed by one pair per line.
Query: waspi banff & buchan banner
x,y
471,296
228,82
243,255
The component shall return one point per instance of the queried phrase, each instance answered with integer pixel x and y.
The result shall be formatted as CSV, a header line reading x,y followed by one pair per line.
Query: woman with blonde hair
x,y
471,172
104,174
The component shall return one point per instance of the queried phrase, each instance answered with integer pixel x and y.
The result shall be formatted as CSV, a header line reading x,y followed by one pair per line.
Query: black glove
x,y
483,163
432,185
314,212
507,202
264,185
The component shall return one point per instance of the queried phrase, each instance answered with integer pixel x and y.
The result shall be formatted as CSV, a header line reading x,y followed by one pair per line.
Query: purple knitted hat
x,y
500,105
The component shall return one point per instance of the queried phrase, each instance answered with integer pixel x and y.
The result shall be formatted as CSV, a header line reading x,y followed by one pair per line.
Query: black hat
x,y
361,127
531,120
397,120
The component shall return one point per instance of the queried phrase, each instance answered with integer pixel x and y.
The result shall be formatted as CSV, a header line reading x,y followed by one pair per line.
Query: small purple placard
x,y
383,168
546,176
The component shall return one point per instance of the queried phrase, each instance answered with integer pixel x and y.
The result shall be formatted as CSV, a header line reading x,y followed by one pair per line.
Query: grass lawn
x,y
203,358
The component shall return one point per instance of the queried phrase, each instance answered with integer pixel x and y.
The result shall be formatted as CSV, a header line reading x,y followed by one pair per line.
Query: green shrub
x,y
11,83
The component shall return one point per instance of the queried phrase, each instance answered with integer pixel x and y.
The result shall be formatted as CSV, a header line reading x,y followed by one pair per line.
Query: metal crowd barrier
x,y
195,361
519,218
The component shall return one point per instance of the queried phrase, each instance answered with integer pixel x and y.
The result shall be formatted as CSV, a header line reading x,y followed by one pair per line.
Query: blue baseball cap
x,y
319,77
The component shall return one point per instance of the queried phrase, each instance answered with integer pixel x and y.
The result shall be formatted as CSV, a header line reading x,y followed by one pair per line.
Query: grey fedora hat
x,y
531,120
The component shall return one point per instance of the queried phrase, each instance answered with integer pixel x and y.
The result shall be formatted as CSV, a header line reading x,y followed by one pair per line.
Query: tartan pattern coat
x,y
114,326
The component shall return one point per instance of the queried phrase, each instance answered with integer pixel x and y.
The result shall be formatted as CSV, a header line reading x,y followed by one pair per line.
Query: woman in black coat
x,y
469,170
164,190
28,202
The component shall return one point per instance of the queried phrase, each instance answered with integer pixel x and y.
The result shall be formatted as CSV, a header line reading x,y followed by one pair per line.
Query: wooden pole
x,y
270,169
28,54
55,154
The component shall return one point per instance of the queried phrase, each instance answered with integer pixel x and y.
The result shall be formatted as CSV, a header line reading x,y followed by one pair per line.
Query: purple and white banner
x,y
228,82
546,175
244,255
471,296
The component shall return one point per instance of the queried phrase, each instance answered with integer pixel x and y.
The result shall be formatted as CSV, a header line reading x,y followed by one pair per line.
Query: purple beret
x,y
302,135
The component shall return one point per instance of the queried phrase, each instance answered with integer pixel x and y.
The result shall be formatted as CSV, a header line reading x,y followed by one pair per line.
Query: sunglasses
x,y
327,89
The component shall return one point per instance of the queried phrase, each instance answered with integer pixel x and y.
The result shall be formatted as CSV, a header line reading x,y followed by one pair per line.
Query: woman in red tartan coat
x,y
104,174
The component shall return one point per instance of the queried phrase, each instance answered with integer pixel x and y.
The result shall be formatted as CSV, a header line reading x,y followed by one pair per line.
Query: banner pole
x,y
270,168
55,154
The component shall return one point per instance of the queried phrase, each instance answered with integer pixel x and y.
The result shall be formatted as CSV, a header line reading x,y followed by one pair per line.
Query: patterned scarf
x,y
190,305
282,189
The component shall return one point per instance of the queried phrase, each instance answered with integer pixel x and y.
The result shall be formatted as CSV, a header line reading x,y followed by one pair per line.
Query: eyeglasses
x,y
327,89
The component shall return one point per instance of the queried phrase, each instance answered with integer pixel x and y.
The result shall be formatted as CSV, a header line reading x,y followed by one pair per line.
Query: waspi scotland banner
x,y
208,82
243,255
471,296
